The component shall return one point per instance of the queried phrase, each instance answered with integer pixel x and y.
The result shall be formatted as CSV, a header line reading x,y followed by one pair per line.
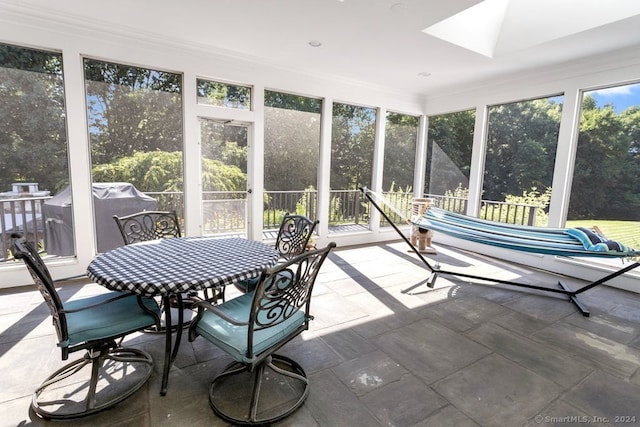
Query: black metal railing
x,y
510,213
225,212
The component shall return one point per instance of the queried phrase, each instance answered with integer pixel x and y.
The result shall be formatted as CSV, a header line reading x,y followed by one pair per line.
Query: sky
x,y
621,97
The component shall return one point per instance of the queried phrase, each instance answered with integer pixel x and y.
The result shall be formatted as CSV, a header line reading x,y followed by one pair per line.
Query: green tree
x,y
292,140
521,147
400,150
225,143
131,109
33,139
449,145
353,138
160,171
604,162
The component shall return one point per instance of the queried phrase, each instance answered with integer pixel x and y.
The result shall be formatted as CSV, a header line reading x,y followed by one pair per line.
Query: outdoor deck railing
x,y
25,216
225,212
510,213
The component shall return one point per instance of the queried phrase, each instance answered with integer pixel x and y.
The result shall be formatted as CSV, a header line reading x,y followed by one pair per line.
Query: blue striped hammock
x,y
541,240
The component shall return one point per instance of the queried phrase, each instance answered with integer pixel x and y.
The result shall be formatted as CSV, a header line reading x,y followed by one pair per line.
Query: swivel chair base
x,y
272,391
99,380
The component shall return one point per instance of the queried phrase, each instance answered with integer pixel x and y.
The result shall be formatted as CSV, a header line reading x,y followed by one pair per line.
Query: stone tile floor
x,y
460,354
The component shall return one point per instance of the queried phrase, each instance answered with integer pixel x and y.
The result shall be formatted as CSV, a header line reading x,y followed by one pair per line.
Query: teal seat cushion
x,y
233,339
108,319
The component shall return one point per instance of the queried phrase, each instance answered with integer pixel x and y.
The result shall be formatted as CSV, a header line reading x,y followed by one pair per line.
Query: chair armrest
x,y
201,304
99,303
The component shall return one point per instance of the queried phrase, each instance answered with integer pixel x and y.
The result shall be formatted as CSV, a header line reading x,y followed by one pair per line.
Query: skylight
x,y
496,27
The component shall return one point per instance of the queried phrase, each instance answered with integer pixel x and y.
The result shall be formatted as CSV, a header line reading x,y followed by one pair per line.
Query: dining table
x,y
171,267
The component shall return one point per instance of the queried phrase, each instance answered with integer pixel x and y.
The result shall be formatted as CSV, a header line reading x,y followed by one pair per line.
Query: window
x,y
449,145
223,94
135,132
521,149
606,191
401,137
33,141
352,143
291,152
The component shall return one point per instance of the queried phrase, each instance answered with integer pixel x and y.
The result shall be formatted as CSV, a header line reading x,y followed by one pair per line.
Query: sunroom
x,y
235,113
233,128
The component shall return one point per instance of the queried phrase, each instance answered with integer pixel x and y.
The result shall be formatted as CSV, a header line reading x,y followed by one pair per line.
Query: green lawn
x,y
626,232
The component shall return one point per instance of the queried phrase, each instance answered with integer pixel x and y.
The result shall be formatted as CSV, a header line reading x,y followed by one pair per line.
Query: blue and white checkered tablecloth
x,y
177,265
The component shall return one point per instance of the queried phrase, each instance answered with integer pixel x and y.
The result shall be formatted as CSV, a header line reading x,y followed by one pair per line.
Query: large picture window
x,y
33,145
291,150
521,149
449,145
135,131
401,138
606,191
352,143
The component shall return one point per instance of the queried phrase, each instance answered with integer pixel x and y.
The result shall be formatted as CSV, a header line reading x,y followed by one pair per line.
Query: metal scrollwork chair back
x,y
148,225
293,238
108,373
260,386
294,235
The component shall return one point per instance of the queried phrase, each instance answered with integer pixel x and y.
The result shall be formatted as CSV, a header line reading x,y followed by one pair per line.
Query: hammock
x,y
541,240
549,241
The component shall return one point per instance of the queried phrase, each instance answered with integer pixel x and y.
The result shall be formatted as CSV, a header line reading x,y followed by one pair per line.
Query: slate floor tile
x,y
606,396
369,372
497,392
611,355
403,403
429,350
539,358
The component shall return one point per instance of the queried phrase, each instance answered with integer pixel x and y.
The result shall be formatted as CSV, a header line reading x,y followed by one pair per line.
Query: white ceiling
x,y
378,43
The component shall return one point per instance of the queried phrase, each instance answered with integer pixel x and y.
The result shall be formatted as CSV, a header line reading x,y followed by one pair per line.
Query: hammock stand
x,y
563,289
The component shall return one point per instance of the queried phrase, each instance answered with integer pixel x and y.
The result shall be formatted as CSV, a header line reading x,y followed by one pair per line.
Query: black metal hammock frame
x,y
533,240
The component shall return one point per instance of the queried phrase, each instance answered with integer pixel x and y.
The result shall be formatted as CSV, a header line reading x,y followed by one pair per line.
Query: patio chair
x,y
293,239
148,225
108,373
260,387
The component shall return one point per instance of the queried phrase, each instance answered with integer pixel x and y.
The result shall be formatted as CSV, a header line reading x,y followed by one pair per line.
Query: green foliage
x,y
521,147
292,102
336,212
449,145
308,203
132,109
531,198
291,149
160,171
224,95
353,138
271,218
607,165
33,139
460,195
401,136
401,204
